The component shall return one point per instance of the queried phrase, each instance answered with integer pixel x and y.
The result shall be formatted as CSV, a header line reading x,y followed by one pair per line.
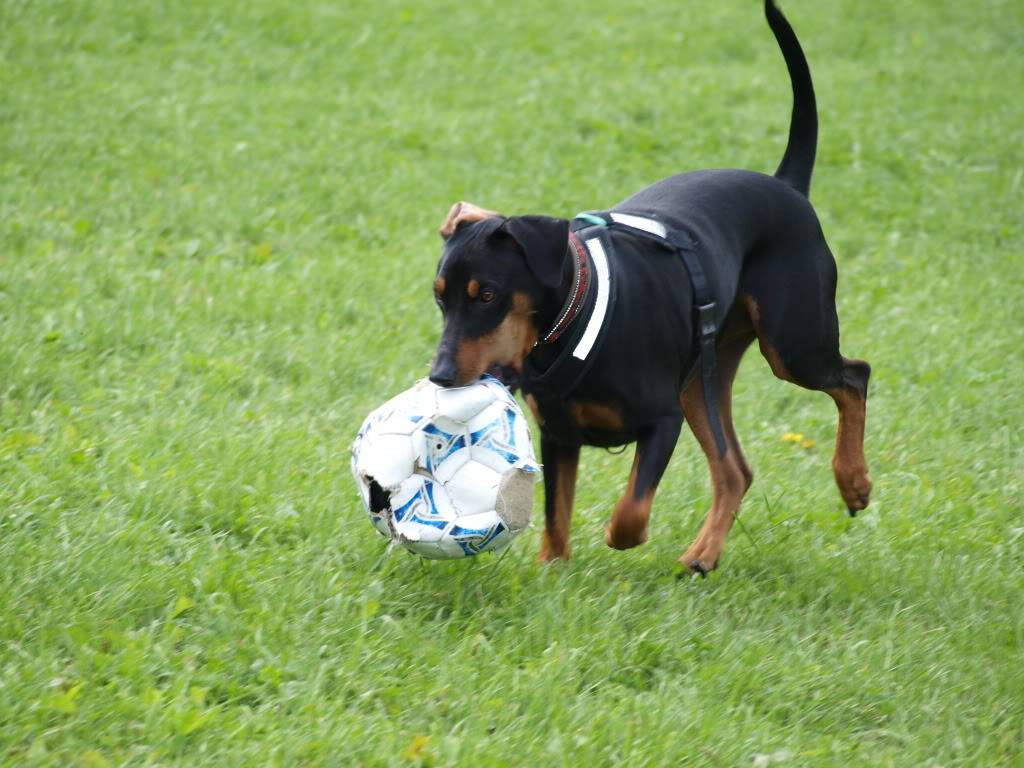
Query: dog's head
x,y
495,283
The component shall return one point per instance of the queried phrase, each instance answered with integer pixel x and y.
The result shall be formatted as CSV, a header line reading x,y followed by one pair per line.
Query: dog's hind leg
x,y
798,333
848,462
730,474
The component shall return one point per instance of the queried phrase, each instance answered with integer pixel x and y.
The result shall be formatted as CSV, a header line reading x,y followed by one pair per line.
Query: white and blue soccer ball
x,y
447,473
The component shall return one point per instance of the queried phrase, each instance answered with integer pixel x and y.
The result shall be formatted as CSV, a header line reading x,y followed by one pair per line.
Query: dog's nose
x,y
443,371
442,381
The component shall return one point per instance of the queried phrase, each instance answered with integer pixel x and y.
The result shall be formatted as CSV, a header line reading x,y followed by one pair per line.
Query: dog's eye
x,y
487,295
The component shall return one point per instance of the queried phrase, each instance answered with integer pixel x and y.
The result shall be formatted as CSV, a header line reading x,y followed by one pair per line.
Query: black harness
x,y
590,232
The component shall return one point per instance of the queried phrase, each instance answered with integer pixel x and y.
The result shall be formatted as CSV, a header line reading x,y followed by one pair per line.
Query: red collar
x,y
574,301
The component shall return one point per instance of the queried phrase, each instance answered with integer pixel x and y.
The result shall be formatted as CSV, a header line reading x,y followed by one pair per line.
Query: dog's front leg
x,y
560,464
628,526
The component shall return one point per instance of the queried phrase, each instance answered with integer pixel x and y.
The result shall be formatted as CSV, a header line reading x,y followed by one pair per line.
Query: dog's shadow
x,y
511,587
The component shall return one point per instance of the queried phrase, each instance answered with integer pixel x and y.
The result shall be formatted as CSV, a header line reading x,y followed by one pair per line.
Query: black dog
x,y
620,324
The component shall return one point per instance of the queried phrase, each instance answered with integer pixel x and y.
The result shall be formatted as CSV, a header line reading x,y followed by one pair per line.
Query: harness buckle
x,y
706,315
592,219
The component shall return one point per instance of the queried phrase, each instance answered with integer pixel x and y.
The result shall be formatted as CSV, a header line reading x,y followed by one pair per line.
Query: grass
x,y
217,238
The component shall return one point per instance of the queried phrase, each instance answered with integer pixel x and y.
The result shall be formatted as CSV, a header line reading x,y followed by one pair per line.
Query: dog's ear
x,y
545,243
463,213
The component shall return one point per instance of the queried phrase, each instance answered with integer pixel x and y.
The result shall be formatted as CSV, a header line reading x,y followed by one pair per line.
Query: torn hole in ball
x,y
380,500
380,504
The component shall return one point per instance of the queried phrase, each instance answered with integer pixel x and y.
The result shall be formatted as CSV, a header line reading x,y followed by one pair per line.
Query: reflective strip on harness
x,y
639,222
596,320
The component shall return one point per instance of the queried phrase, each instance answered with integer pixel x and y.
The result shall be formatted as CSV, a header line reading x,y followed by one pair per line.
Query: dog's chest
x,y
577,421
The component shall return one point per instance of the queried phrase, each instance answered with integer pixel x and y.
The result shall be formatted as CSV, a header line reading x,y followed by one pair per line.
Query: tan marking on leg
x,y
555,544
508,344
628,526
593,415
729,357
730,475
771,354
531,403
848,462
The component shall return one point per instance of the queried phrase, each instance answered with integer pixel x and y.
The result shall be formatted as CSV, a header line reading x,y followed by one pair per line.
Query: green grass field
x,y
217,240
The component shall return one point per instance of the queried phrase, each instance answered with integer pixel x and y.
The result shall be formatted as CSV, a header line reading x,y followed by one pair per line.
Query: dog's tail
x,y
798,162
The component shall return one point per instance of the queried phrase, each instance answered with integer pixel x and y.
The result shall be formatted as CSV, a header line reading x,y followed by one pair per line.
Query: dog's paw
x,y
547,556
624,537
701,558
552,550
627,527
855,488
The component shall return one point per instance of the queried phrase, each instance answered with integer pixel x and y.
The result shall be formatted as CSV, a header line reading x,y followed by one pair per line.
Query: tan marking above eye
x,y
473,289
439,286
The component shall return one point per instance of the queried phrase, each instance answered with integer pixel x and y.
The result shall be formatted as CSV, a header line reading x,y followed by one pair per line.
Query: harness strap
x,y
583,334
601,302
707,322
708,330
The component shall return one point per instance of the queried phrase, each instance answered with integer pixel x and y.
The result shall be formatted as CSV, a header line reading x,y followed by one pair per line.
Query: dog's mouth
x,y
506,374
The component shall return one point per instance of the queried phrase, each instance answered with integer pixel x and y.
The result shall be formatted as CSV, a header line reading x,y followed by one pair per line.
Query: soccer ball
x,y
447,473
